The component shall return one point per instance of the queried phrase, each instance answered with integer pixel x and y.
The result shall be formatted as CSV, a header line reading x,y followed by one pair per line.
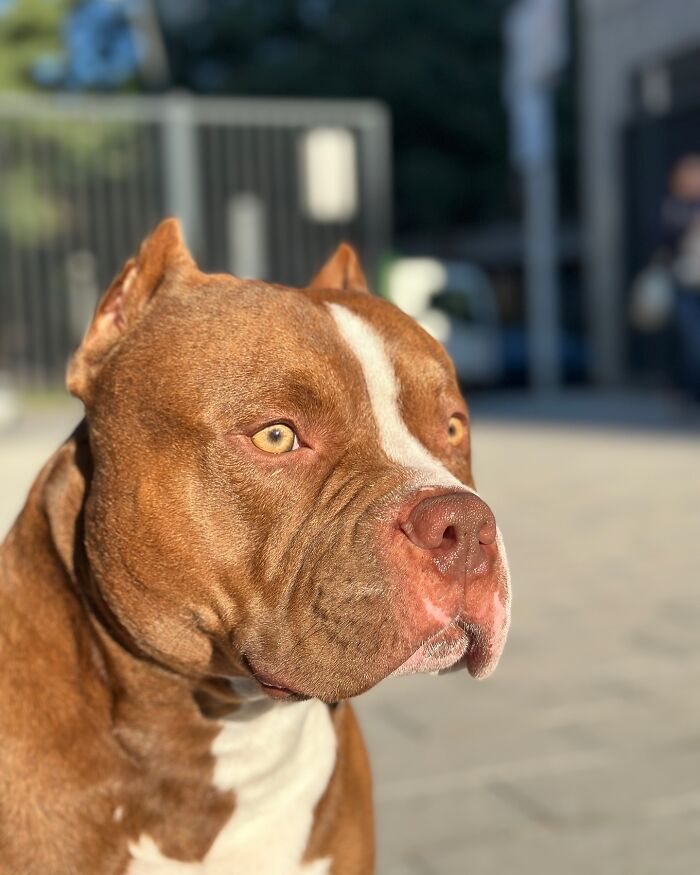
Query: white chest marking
x,y
277,759
397,441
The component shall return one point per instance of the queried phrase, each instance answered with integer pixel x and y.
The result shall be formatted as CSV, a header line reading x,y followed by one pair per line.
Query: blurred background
x,y
523,177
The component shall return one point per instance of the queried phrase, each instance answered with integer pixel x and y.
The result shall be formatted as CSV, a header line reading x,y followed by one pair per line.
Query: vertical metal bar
x,y
244,162
62,174
182,169
299,275
248,207
246,222
31,280
223,180
134,189
221,183
153,208
210,226
221,191
116,188
81,245
12,323
228,151
259,163
14,273
279,211
46,261
541,269
376,188
97,219
306,264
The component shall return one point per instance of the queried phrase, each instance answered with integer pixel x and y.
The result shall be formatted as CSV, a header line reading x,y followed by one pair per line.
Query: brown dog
x,y
268,508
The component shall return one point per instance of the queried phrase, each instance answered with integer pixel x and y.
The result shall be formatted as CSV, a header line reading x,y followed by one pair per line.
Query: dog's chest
x,y
277,760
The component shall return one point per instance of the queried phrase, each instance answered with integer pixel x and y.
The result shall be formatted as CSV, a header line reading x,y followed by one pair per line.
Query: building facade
x,y
639,114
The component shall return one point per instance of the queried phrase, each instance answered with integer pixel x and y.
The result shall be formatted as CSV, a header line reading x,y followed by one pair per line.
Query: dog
x,y
268,509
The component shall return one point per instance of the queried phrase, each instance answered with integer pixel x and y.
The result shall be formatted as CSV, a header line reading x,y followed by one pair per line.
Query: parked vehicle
x,y
456,303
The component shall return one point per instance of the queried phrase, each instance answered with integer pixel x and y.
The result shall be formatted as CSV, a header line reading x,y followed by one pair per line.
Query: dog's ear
x,y
342,271
162,254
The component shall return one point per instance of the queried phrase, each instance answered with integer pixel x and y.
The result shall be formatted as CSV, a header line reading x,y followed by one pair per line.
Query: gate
x,y
264,188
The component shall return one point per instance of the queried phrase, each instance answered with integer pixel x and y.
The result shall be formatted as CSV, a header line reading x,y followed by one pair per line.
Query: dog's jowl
x,y
268,509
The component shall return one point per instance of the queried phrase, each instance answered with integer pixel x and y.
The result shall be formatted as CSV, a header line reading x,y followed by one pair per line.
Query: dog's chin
x,y
457,646
446,650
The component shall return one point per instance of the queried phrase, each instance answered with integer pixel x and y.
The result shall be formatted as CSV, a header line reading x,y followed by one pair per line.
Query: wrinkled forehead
x,y
386,345
271,339
408,383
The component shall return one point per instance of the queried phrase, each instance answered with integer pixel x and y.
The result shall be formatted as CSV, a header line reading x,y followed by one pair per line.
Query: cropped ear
x,y
341,271
121,306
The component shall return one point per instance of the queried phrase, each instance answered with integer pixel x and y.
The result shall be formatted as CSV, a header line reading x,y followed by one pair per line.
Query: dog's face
x,y
282,486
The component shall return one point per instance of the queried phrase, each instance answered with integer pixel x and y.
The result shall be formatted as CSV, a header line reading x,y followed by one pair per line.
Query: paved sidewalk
x,y
582,753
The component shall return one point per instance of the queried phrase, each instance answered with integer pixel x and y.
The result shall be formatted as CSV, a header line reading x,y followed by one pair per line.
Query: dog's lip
x,y
440,652
270,684
478,658
473,656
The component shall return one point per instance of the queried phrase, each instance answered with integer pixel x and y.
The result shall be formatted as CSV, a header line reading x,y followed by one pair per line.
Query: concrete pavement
x,y
582,753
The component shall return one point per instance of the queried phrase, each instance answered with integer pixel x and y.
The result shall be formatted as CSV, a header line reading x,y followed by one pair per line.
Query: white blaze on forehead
x,y
383,388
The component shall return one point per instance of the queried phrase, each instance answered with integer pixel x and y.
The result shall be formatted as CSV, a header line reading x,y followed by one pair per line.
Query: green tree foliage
x,y
29,30
32,31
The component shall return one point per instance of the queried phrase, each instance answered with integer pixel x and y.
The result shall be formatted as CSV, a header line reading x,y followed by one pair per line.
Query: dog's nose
x,y
456,529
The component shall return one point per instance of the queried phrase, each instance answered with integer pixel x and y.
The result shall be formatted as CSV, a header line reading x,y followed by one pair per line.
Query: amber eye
x,y
276,438
455,431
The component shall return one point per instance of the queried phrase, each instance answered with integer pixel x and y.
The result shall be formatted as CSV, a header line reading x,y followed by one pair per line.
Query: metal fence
x,y
264,188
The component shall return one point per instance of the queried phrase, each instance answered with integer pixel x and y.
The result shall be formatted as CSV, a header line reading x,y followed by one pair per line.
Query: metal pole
x,y
536,40
542,268
183,191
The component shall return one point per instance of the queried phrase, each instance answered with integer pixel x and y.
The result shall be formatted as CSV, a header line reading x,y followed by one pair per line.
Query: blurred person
x,y
668,289
681,215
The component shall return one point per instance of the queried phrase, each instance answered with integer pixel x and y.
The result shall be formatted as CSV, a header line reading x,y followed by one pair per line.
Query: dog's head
x,y
282,487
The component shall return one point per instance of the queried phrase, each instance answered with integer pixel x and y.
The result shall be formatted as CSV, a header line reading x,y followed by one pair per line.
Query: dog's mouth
x,y
271,685
474,643
459,644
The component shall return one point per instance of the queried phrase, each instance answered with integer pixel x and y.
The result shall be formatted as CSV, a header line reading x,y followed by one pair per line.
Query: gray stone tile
x,y
655,849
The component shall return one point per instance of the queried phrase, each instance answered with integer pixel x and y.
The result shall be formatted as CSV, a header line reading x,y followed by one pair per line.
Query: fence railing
x,y
264,188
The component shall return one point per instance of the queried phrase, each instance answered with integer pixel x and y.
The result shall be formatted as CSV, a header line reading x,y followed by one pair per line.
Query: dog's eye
x,y
276,438
455,430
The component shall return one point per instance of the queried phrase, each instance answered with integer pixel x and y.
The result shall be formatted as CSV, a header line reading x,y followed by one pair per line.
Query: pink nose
x,y
456,529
